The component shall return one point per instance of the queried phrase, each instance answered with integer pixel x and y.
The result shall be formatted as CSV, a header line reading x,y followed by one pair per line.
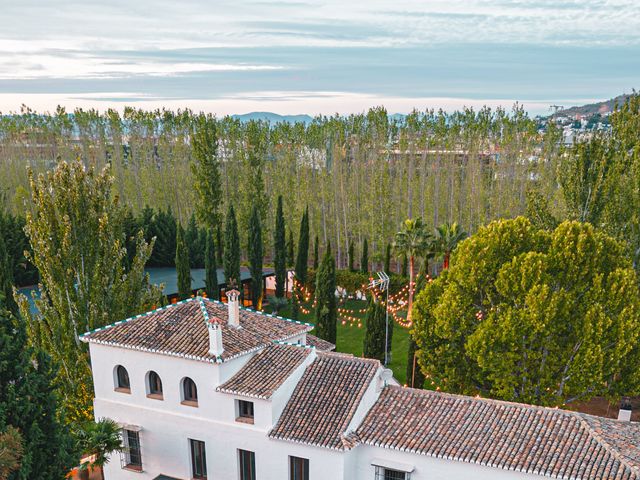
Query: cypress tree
x,y
302,259
351,256
374,338
29,402
280,254
182,265
405,266
290,250
211,268
415,378
192,239
255,257
231,248
219,245
387,259
364,261
6,280
315,253
326,308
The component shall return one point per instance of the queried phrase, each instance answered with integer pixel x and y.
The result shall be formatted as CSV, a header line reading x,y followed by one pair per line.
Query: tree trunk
x,y
445,264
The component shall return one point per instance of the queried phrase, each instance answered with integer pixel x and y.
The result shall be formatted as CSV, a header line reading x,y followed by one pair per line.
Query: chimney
x,y
624,414
215,338
234,308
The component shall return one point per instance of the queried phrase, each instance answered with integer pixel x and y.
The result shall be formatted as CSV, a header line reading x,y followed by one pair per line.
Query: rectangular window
x,y
245,411
247,465
198,459
298,468
132,455
389,474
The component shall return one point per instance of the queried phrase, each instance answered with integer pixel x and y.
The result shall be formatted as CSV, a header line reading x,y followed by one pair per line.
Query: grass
x,y
350,339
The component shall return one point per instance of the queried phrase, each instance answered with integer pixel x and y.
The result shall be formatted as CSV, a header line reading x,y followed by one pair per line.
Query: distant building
x,y
204,390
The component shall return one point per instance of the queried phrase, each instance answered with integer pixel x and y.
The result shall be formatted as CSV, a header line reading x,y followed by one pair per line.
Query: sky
x,y
316,57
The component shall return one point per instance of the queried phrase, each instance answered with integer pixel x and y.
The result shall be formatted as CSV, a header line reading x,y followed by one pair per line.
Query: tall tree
x,y
316,254
6,280
415,377
447,238
255,258
351,258
77,241
211,268
280,254
364,260
376,330
387,259
10,451
219,245
193,239
206,170
183,270
302,261
231,248
290,250
533,316
326,308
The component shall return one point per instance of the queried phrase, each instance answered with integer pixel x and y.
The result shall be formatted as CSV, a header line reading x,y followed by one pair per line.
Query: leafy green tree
x,y
6,280
206,170
364,260
164,229
211,268
77,241
376,329
352,255
255,258
447,238
326,313
10,451
16,243
219,245
183,270
280,254
316,254
290,250
412,242
415,377
534,316
195,243
100,439
231,248
302,260
387,259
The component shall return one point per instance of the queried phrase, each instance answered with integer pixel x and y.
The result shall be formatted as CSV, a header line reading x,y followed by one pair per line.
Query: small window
x,y
198,459
122,380
154,383
247,465
131,455
245,411
189,392
389,474
298,468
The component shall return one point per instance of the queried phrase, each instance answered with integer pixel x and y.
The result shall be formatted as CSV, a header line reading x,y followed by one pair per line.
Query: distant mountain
x,y
273,117
593,108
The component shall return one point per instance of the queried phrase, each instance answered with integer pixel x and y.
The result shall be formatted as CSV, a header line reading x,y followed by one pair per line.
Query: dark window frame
x,y
189,391
298,468
123,382
197,449
155,385
132,454
383,473
246,411
246,465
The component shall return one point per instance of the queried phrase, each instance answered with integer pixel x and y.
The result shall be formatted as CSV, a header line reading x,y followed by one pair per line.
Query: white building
x,y
206,390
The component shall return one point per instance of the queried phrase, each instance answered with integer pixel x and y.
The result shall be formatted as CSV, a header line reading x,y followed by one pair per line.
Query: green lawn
x,y
351,338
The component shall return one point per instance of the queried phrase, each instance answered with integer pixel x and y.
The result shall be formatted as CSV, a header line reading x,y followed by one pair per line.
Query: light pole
x,y
383,284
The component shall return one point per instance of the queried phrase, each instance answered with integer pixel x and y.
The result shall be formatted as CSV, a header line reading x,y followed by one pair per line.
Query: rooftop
x,y
181,330
319,343
538,440
325,400
266,371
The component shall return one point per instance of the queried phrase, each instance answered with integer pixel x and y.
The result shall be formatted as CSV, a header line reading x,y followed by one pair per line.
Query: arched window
x,y
154,385
189,391
122,379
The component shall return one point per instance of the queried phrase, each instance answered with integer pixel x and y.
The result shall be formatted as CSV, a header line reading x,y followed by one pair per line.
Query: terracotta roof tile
x,y
543,441
319,344
181,330
266,371
325,400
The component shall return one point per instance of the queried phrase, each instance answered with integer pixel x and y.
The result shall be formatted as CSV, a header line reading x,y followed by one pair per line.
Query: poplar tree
x,y
316,254
326,307
231,248
211,268
205,169
78,246
351,258
280,254
255,257
364,261
183,270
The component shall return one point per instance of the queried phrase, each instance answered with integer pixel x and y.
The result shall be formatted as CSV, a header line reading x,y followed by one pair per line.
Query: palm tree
x,y
412,241
100,439
448,236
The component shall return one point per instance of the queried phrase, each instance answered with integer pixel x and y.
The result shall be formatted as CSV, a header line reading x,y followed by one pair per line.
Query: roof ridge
x,y
349,357
260,312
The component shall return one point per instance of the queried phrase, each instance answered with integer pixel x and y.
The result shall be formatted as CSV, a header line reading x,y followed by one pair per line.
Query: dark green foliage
x,y
130,229
100,439
404,271
326,307
415,377
387,259
255,257
279,253
205,169
211,268
6,281
16,243
364,260
374,338
302,259
183,270
30,403
195,238
231,248
316,254
290,250
163,227
219,245
351,256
